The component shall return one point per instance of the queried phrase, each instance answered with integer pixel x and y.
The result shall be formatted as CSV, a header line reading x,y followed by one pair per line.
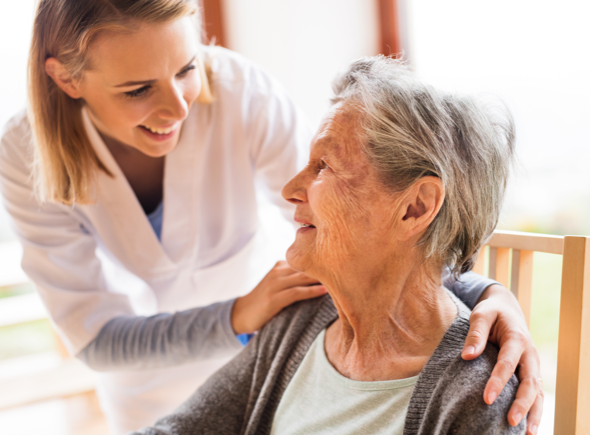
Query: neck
x,y
389,324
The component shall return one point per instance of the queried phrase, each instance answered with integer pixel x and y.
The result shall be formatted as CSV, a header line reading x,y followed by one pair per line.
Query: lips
x,y
304,223
159,133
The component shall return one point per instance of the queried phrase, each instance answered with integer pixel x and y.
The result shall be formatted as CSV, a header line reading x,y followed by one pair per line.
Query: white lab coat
x,y
91,263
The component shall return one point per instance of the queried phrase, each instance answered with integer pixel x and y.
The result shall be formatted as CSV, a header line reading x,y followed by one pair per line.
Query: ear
x,y
421,205
62,78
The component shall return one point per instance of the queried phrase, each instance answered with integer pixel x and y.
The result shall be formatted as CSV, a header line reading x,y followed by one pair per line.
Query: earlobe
x,y
62,78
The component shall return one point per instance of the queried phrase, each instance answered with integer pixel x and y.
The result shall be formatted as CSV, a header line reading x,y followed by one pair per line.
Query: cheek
x,y
343,218
118,114
133,113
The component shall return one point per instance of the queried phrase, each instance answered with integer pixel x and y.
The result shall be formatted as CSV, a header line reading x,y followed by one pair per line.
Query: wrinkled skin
x,y
339,193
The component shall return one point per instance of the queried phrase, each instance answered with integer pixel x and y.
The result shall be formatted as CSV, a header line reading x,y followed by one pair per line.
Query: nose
x,y
295,191
173,106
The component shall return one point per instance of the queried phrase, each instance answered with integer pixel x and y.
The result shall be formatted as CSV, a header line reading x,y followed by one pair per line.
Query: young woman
x,y
133,181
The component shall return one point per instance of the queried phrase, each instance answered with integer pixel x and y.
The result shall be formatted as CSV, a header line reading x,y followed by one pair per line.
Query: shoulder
x,y
16,144
450,390
461,389
251,99
230,68
16,135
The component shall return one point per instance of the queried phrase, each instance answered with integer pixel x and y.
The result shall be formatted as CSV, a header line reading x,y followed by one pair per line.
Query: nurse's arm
x,y
59,255
165,340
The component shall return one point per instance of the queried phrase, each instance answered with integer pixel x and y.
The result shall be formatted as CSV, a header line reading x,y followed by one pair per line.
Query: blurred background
x,y
531,54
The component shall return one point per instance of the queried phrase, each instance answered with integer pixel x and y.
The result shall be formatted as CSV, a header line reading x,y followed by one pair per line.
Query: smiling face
x,y
141,84
347,214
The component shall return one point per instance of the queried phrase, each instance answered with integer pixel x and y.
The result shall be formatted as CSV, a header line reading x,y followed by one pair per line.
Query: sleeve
x,y
163,340
219,406
468,288
280,137
58,254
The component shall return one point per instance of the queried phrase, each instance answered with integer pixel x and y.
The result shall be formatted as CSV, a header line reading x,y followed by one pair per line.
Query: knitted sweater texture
x,y
243,396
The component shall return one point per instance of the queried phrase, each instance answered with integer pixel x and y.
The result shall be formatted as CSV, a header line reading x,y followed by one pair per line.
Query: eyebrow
x,y
152,81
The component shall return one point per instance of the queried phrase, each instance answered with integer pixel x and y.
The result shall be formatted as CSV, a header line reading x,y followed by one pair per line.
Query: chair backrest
x,y
572,394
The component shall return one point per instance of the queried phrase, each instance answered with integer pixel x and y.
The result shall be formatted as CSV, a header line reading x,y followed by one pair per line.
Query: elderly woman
x,y
403,181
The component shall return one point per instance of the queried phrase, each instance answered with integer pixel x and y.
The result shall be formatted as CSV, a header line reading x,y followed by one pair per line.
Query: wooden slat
x,y
479,266
521,281
572,408
502,266
492,262
527,241
21,309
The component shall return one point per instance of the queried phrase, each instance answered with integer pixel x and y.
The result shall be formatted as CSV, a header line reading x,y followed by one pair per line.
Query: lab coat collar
x,y
129,231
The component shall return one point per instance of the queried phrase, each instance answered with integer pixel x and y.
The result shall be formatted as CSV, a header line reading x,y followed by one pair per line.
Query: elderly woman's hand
x,y
498,318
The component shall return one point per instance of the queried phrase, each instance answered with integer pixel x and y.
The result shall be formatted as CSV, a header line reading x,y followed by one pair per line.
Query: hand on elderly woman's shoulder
x,y
497,317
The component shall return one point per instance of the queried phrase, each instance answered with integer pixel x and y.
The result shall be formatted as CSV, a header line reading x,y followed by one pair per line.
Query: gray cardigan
x,y
242,397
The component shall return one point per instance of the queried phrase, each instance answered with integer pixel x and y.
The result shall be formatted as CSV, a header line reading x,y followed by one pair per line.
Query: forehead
x,y
339,133
145,52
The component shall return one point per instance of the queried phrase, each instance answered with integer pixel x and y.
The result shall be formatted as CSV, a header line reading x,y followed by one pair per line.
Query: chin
x,y
298,260
159,150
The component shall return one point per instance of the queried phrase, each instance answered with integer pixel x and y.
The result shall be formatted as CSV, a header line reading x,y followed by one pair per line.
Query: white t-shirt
x,y
321,401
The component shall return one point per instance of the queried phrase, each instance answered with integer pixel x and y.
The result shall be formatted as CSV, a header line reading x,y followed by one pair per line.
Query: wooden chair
x,y
572,395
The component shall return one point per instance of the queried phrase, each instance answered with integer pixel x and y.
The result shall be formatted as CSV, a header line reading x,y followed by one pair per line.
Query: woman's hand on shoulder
x,y
281,287
498,318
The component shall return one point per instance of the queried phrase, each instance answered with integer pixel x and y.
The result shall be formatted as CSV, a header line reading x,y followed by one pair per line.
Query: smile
x,y
162,131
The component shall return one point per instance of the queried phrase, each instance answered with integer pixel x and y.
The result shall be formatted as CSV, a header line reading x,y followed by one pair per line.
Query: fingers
x,y
296,280
294,294
508,359
528,391
525,397
477,337
534,417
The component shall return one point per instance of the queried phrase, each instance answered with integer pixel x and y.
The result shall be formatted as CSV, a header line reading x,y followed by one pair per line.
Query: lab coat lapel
x,y
120,219
181,186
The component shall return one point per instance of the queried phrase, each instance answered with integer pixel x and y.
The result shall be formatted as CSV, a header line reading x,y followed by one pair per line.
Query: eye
x,y
323,165
185,71
138,92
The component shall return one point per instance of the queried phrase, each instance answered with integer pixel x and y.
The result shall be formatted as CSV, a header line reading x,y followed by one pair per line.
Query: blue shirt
x,y
155,219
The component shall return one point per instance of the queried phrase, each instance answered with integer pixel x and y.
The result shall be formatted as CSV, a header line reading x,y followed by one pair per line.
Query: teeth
x,y
306,225
161,130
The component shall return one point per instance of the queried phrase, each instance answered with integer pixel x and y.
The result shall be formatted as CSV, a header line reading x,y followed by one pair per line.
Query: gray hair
x,y
411,130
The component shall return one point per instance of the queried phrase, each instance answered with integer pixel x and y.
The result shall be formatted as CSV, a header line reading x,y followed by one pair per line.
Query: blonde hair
x,y
65,161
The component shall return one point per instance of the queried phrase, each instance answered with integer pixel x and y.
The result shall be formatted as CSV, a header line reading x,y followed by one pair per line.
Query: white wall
x,y
304,42
534,55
